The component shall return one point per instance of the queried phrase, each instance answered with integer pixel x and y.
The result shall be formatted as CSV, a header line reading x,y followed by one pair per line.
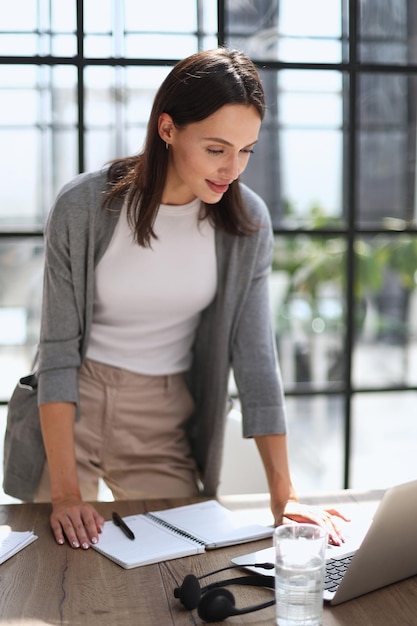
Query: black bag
x,y
24,452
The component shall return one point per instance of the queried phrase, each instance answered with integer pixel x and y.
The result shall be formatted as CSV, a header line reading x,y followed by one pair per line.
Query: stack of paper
x,y
12,541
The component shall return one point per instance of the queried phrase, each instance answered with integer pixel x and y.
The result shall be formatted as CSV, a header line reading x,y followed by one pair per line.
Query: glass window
x,y
298,164
21,274
384,432
125,29
307,302
311,121
44,27
387,148
39,126
315,442
118,105
385,309
289,30
385,29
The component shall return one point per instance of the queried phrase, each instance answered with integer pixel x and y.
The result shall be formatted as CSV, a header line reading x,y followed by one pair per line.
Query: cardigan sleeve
x,y
254,359
61,324
77,234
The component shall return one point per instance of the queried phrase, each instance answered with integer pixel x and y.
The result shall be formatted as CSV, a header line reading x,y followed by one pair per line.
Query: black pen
x,y
122,524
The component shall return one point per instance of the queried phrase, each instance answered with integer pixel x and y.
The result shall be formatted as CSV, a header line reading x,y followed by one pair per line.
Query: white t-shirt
x,y
148,300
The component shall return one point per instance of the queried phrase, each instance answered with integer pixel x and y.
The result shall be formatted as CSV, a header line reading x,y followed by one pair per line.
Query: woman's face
x,y
205,157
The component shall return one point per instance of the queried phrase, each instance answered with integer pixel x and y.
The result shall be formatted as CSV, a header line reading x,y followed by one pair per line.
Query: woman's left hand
x,y
327,518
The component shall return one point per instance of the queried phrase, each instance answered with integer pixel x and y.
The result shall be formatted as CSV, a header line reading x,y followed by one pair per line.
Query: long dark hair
x,y
195,88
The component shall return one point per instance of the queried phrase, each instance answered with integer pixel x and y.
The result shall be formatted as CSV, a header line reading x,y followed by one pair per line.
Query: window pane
x,y
64,16
125,29
38,126
386,348
315,442
387,109
47,27
98,16
384,430
18,26
289,30
161,46
387,31
21,272
118,105
308,309
161,16
20,15
311,118
298,163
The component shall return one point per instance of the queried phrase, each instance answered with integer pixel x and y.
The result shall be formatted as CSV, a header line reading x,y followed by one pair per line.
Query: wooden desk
x,y
50,584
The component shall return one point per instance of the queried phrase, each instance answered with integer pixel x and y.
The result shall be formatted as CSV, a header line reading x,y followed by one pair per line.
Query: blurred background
x,y
336,164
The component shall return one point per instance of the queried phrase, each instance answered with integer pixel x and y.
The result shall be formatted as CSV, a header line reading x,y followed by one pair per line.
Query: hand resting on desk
x,y
77,521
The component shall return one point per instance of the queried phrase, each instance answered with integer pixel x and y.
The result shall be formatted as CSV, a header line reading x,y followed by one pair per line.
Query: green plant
x,y
315,265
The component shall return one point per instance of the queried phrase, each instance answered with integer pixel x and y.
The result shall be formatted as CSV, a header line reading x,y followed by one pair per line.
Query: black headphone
x,y
213,602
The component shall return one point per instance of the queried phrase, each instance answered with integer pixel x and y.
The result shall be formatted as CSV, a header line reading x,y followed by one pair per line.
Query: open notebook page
x,y
153,543
213,524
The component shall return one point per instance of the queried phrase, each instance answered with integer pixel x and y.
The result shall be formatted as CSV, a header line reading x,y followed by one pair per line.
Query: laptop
x,y
385,553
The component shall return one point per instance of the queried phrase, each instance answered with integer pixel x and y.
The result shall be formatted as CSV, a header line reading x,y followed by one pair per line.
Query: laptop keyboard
x,y
335,570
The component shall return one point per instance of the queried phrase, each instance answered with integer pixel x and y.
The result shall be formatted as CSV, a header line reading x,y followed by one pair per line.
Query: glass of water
x,y
299,574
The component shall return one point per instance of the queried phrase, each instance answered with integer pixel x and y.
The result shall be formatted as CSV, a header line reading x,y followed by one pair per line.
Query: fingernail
x,y
94,540
85,546
75,544
60,541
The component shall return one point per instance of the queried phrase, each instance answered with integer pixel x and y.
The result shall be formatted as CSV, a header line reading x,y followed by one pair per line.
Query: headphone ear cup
x,y
216,605
189,593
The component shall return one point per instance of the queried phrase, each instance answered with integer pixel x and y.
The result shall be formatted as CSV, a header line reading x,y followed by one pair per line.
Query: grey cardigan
x,y
235,330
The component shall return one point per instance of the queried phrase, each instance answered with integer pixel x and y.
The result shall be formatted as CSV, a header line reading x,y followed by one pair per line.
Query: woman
x,y
155,285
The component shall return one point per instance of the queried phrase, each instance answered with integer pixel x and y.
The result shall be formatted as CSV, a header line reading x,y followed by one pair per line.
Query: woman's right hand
x,y
72,519
76,521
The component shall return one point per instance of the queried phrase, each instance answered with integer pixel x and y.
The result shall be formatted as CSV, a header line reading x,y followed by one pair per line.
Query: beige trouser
x,y
131,434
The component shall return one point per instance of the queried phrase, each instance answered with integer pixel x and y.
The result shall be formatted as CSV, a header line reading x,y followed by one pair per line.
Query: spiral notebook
x,y
174,533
